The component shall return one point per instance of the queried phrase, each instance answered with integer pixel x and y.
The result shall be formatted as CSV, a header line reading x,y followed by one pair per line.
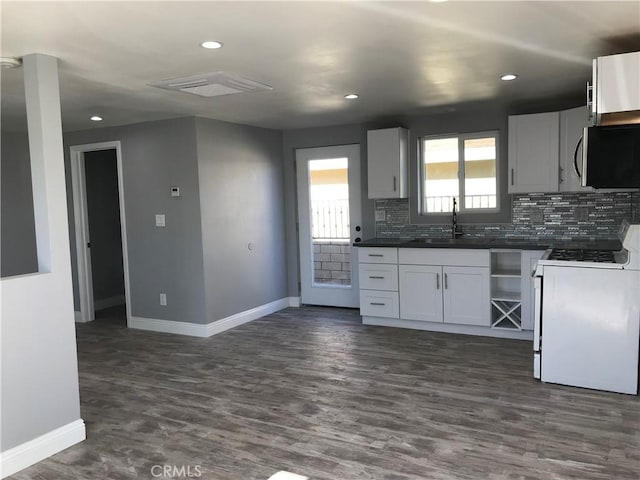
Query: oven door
x,y
537,319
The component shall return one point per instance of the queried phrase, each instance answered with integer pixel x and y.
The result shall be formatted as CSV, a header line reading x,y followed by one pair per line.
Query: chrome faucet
x,y
455,232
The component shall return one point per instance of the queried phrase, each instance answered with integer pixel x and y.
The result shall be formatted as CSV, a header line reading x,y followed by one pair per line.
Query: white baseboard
x,y
108,302
294,302
36,450
213,328
448,328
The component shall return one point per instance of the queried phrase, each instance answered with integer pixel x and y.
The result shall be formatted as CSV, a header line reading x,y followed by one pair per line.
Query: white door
x,y
420,292
466,295
329,222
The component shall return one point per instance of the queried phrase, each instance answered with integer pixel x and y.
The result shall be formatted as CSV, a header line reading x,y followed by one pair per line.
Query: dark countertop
x,y
479,243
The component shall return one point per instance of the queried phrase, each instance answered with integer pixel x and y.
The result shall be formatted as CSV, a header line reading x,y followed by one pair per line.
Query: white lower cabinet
x,y
420,294
378,303
444,294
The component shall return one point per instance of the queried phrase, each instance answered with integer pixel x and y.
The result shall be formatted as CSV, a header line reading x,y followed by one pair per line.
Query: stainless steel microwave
x,y
610,157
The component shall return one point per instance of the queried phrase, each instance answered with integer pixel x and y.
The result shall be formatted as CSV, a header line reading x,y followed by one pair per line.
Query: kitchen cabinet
x,y
572,124
534,152
378,275
615,83
432,291
387,163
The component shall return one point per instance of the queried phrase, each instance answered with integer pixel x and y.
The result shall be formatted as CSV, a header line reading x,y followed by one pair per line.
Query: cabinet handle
x,y
395,181
446,281
377,277
437,281
512,176
378,304
376,255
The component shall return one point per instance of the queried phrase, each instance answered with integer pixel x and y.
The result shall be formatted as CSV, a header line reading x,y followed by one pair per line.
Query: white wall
x,y
40,411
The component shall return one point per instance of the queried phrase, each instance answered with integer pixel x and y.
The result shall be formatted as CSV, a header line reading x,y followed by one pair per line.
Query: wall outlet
x,y
581,214
537,215
163,299
160,220
381,215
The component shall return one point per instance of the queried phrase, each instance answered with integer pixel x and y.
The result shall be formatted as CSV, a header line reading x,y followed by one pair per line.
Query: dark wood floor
x,y
312,391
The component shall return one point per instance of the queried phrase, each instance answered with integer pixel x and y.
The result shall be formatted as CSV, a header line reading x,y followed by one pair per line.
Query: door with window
x,y
329,223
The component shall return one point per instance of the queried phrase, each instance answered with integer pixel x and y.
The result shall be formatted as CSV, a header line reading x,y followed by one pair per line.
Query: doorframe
x,y
81,222
305,261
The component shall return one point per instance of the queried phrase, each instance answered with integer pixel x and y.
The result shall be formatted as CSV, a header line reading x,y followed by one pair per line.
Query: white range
x,y
587,316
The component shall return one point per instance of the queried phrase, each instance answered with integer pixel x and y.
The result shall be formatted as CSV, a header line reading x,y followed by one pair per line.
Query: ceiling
x,y
402,58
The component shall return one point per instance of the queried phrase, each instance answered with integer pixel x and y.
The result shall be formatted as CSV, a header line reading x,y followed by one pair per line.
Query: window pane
x,y
329,199
480,173
440,166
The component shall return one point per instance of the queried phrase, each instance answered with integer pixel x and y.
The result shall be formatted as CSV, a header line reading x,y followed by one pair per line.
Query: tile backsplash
x,y
553,215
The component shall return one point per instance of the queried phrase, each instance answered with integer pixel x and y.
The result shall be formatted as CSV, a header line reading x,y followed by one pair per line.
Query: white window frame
x,y
461,173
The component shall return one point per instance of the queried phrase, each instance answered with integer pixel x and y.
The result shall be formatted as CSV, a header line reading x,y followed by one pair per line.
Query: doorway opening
x,y
101,252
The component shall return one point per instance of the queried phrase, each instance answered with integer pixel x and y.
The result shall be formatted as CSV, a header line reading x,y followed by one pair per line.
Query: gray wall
x,y
319,137
18,247
103,209
242,202
156,156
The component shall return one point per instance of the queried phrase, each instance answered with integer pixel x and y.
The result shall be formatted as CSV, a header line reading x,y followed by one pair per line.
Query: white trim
x,y
213,328
448,328
294,302
83,255
36,450
78,316
109,302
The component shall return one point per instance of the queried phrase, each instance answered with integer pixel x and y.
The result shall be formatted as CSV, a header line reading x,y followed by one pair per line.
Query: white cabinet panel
x,y
616,84
466,295
420,292
377,255
376,303
572,123
534,152
387,153
378,277
444,256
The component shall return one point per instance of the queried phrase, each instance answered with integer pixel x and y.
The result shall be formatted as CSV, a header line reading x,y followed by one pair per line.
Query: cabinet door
x,y
617,83
534,152
420,292
572,123
466,295
387,163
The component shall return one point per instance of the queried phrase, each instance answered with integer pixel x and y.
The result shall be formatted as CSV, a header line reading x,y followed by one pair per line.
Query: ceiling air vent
x,y
212,84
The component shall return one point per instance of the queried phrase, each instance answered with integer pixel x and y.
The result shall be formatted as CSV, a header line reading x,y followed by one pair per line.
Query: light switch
x,y
160,220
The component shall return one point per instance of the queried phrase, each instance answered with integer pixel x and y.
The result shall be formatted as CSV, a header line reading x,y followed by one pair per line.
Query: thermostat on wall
x,y
175,191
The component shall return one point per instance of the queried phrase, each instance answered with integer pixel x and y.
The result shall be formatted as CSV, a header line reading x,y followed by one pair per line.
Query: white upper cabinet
x,y
616,83
572,123
387,154
534,152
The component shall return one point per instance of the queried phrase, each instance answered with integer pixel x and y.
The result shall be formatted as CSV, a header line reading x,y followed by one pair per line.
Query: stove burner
x,y
582,255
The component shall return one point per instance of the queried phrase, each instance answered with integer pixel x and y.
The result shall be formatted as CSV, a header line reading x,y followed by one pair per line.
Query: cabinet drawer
x,y
377,255
444,256
378,277
376,303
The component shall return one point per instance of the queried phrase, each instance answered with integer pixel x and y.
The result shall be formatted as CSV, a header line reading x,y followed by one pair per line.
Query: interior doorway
x,y
100,224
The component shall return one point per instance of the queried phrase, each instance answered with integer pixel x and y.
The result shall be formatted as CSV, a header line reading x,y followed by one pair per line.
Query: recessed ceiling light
x,y
212,44
96,118
508,76
351,96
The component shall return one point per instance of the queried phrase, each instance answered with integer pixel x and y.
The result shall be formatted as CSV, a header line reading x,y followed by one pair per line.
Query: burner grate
x,y
582,255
